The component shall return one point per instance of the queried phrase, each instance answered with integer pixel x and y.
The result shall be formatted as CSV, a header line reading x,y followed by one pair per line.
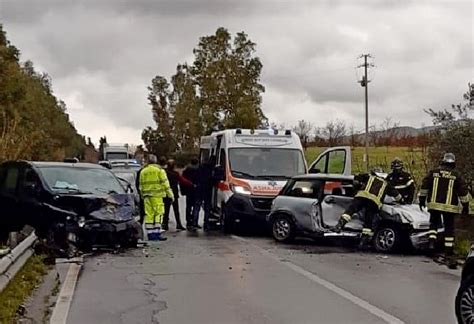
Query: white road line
x,y
328,285
61,310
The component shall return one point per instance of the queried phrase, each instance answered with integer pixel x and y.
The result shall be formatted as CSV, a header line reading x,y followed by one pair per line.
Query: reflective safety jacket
x,y
404,183
376,188
153,182
445,189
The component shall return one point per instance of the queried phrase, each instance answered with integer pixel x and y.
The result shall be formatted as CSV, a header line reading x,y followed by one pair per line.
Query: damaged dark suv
x,y
72,206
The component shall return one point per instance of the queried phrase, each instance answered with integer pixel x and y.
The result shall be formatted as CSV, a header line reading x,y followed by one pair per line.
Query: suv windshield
x,y
266,163
81,180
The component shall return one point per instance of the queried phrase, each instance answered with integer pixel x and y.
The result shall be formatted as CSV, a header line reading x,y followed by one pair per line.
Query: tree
x,y
221,89
303,129
388,132
354,136
34,123
227,75
334,132
102,143
455,133
162,140
187,114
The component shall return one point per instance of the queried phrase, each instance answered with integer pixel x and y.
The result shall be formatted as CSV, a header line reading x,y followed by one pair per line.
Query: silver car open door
x,y
335,160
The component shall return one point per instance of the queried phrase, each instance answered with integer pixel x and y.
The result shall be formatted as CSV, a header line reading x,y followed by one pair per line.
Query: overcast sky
x,y
102,55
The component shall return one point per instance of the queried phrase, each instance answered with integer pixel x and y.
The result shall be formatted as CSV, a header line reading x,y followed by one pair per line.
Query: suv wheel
x,y
465,301
283,229
387,238
227,223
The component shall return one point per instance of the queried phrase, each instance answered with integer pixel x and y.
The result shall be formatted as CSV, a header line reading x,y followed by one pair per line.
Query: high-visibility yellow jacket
x,y
445,189
153,182
376,188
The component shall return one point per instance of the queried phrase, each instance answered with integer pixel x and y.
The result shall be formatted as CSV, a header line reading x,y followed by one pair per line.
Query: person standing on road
x,y
442,190
153,187
373,190
402,181
191,172
175,180
204,190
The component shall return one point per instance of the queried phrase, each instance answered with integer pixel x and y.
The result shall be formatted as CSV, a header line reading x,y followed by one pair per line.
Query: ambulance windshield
x,y
266,163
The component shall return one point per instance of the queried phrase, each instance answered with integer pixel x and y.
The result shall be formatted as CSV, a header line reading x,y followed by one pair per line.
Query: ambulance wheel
x,y
227,222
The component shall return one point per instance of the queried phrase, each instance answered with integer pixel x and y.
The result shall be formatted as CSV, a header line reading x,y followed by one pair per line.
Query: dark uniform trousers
x,y
166,216
437,218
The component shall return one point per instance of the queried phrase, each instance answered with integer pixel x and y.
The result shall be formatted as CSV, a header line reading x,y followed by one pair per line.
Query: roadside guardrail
x,y
11,263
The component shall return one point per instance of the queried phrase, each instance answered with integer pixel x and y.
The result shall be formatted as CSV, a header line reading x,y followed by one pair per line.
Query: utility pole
x,y
365,83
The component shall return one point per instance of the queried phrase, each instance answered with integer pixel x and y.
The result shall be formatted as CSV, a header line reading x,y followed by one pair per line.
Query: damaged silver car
x,y
311,206
72,206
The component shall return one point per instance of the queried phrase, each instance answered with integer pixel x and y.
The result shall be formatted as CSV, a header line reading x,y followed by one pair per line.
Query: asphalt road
x,y
212,278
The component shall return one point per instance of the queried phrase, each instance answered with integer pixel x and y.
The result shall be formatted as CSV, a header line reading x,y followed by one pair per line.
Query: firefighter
x,y
402,181
371,190
153,187
442,191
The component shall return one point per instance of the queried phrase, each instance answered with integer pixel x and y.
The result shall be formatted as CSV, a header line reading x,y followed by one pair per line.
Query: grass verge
x,y
21,287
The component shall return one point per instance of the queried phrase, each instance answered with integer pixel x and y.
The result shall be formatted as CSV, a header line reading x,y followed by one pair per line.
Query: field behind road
x,y
382,157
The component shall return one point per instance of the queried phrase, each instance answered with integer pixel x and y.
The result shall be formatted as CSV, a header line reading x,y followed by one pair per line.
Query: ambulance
x,y
251,167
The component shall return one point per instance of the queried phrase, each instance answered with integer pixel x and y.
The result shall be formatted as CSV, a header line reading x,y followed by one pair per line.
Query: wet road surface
x,y
212,278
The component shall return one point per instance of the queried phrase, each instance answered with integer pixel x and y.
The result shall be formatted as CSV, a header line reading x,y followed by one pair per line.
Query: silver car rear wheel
x,y
282,229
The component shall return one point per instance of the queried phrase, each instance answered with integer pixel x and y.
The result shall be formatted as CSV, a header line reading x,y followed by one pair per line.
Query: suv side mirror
x,y
32,189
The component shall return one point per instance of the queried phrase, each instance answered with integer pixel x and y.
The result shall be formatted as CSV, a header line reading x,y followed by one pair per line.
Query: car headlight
x,y
241,190
81,222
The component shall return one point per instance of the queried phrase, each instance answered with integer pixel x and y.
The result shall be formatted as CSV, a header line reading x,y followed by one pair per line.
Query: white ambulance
x,y
252,166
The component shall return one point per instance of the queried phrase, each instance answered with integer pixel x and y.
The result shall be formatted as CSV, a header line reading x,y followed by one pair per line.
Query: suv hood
x,y
113,207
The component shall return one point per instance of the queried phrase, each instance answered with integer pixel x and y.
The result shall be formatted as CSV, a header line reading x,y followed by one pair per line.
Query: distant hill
x,y
394,133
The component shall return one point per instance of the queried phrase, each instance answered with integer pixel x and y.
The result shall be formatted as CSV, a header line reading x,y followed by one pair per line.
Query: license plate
x,y
121,227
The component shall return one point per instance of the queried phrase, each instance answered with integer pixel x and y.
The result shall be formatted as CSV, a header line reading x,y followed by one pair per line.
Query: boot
x,y
160,237
451,262
339,226
365,241
431,247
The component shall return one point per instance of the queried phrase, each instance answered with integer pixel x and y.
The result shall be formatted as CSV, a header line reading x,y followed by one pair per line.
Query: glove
x,y
465,210
422,202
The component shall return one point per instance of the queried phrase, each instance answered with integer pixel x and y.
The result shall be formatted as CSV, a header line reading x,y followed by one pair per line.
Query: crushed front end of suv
x,y
73,207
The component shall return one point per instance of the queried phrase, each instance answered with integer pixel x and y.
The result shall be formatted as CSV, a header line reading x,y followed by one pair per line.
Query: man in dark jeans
x,y
191,172
204,189
174,179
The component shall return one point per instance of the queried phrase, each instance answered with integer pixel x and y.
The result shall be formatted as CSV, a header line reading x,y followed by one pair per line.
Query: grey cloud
x,y
103,54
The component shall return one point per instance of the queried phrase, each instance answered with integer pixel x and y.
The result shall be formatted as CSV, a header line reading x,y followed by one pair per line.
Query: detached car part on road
x,y
72,206
311,206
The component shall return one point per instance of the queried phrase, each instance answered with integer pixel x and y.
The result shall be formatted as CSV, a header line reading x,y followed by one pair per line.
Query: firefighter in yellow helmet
x,y
153,187
446,194
371,191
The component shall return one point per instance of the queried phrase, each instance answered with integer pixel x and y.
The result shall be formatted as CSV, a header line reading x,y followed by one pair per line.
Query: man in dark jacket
x,y
204,190
402,181
175,180
191,172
